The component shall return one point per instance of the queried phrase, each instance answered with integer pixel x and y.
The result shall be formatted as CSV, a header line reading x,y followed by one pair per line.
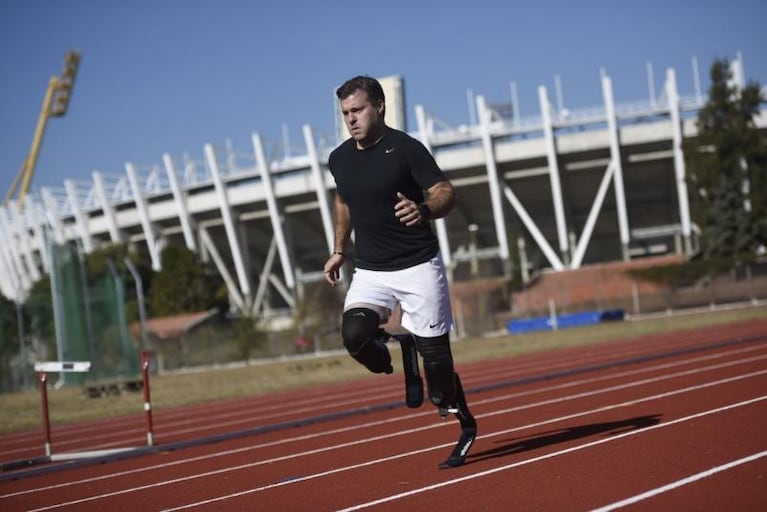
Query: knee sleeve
x,y
438,368
364,341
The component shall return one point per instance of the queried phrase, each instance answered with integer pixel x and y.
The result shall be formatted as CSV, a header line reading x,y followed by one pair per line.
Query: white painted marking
x,y
548,455
409,431
410,416
679,483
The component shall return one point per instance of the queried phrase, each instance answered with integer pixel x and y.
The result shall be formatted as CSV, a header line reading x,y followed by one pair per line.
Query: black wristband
x,y
425,211
339,253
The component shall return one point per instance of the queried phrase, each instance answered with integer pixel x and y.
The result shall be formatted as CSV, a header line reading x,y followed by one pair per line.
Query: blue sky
x,y
170,75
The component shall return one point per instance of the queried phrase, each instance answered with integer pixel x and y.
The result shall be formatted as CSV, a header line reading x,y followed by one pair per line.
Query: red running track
x,y
671,422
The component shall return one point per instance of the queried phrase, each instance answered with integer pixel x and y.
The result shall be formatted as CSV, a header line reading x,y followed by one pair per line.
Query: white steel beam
x,y
106,207
263,278
218,261
12,253
596,207
36,217
49,203
274,211
679,165
282,290
74,204
556,187
444,242
143,213
321,187
180,199
22,234
8,284
226,215
616,166
492,178
550,254
10,275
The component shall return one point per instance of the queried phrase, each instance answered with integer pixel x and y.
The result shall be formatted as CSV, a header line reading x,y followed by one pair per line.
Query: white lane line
x,y
548,456
258,463
438,425
415,452
169,421
503,397
679,483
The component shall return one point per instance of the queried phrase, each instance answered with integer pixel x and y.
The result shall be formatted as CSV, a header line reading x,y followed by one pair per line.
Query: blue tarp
x,y
544,323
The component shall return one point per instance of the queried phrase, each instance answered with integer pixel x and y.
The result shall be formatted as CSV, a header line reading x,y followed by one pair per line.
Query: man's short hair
x,y
370,85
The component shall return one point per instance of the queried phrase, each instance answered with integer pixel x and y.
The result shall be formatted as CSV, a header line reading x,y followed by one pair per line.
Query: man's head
x,y
363,107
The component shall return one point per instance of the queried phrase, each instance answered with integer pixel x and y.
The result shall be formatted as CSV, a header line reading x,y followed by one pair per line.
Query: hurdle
x,y
45,367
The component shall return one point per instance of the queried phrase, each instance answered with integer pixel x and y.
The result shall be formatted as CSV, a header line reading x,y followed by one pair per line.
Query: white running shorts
x,y
421,291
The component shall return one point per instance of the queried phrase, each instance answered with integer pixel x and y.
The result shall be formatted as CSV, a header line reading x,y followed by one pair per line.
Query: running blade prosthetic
x,y
468,428
413,381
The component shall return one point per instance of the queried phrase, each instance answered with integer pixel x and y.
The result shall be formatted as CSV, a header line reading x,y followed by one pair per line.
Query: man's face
x,y
363,119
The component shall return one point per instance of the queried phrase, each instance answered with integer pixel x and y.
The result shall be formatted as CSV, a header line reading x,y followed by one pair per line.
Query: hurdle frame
x,y
45,367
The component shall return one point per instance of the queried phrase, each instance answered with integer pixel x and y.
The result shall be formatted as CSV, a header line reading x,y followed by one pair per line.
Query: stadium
x,y
556,191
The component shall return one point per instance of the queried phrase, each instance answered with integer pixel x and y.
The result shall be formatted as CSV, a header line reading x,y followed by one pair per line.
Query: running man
x,y
388,188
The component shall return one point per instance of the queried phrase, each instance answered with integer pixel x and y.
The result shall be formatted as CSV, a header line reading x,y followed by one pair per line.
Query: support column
x,y
10,276
180,199
543,244
74,203
106,207
444,243
52,217
617,167
226,215
493,179
23,240
321,188
583,242
556,188
679,165
218,261
274,212
12,252
36,218
143,213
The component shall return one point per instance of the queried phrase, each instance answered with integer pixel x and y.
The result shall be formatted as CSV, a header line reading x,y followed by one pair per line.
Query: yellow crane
x,y
55,104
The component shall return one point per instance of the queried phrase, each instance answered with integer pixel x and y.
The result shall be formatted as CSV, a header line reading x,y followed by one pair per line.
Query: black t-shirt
x,y
368,181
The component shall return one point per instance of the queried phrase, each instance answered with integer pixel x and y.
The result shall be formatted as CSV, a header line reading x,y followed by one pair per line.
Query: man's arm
x,y
439,201
342,230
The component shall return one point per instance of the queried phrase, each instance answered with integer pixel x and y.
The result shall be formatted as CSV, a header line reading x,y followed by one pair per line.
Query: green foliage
x,y
184,285
248,336
98,263
9,333
39,313
727,169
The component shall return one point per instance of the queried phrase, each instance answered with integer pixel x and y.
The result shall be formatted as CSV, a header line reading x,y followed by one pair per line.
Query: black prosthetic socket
x,y
438,368
365,341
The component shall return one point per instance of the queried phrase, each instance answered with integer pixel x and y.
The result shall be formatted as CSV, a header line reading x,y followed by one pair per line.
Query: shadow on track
x,y
543,439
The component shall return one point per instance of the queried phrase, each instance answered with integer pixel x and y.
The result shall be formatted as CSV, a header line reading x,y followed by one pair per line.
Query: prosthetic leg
x,y
413,381
468,427
446,392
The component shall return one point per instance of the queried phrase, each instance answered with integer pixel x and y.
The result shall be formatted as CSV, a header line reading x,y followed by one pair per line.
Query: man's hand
x,y
333,268
407,211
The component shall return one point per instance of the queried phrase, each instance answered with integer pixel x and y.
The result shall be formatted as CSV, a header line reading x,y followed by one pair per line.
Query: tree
x,y
727,169
184,285
9,334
